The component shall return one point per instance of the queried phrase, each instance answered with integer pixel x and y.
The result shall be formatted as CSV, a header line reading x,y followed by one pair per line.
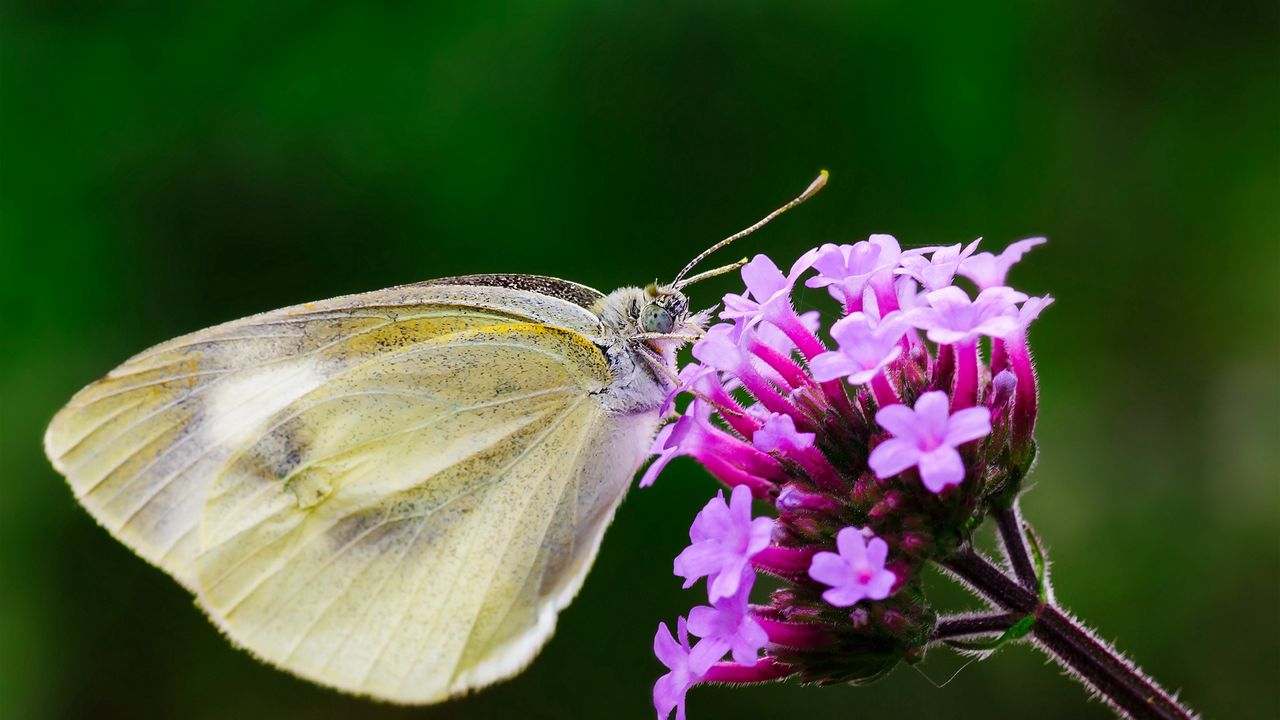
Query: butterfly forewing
x,y
390,493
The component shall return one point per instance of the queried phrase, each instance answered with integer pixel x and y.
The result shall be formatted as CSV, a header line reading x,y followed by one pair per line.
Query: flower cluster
x,y
876,452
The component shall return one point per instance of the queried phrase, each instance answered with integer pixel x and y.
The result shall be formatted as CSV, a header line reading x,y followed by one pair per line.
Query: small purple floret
x,y
927,438
939,269
727,625
987,270
779,434
865,346
670,689
856,572
724,538
952,317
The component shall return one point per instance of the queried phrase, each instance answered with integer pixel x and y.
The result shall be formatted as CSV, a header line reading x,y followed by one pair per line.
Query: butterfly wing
x,y
391,493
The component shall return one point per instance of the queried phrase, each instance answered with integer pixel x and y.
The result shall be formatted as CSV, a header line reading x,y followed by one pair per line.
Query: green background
x,y
167,166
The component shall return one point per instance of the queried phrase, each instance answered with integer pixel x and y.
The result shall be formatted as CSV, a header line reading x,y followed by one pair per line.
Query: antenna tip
x,y
817,184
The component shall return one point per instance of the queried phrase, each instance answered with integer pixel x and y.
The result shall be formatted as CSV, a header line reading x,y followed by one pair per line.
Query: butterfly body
x,y
391,493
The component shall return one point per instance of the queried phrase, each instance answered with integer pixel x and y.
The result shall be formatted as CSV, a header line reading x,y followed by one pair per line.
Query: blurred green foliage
x,y
166,166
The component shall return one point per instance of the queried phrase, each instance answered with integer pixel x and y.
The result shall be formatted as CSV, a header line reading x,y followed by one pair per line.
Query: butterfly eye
x,y
656,319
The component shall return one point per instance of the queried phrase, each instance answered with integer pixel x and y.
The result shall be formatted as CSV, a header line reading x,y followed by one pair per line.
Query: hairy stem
x,y
1013,542
954,626
1100,667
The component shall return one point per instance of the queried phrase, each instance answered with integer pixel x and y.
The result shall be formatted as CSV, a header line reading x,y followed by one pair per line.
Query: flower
x,y
847,270
865,346
939,269
767,289
670,689
778,433
987,270
724,537
727,625
952,317
855,572
927,438
818,431
1031,310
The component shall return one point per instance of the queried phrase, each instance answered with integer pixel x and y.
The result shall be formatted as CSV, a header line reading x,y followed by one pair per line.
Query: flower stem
x,y
1097,665
954,626
1014,544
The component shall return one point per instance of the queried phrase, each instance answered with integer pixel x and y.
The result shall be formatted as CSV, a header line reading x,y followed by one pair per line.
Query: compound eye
x,y
655,319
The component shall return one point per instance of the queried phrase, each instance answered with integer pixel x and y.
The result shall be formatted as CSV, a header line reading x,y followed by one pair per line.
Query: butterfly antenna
x,y
710,274
809,192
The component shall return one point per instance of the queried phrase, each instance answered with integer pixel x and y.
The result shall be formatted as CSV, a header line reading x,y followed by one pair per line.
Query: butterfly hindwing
x,y
391,493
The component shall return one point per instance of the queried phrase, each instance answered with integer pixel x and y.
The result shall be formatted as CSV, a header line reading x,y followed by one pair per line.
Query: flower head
x,y
926,437
819,433
856,571
724,537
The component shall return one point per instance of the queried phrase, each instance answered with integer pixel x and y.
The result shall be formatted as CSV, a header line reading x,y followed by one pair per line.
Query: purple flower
x,y
685,672
779,433
939,269
665,452
865,346
846,270
727,625
721,347
953,318
1031,310
767,291
695,435
724,538
927,438
856,572
987,270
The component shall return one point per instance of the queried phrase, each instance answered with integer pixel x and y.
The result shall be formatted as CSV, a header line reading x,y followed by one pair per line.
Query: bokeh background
x,y
164,167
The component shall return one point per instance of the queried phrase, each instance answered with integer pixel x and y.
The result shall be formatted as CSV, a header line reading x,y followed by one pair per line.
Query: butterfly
x,y
391,493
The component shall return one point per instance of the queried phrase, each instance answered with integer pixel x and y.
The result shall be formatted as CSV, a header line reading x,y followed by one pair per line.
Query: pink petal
x,y
656,467
763,278
892,457
759,535
877,551
831,365
727,580
880,585
968,424
665,648
932,410
740,506
698,560
940,468
830,569
705,654
844,596
747,643
899,420
851,544
948,298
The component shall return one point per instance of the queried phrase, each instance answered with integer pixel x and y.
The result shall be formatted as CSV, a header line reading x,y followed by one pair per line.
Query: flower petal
x,y
940,468
968,424
892,457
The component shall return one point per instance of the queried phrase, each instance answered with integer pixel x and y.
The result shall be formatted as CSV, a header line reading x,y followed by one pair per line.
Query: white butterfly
x,y
391,493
